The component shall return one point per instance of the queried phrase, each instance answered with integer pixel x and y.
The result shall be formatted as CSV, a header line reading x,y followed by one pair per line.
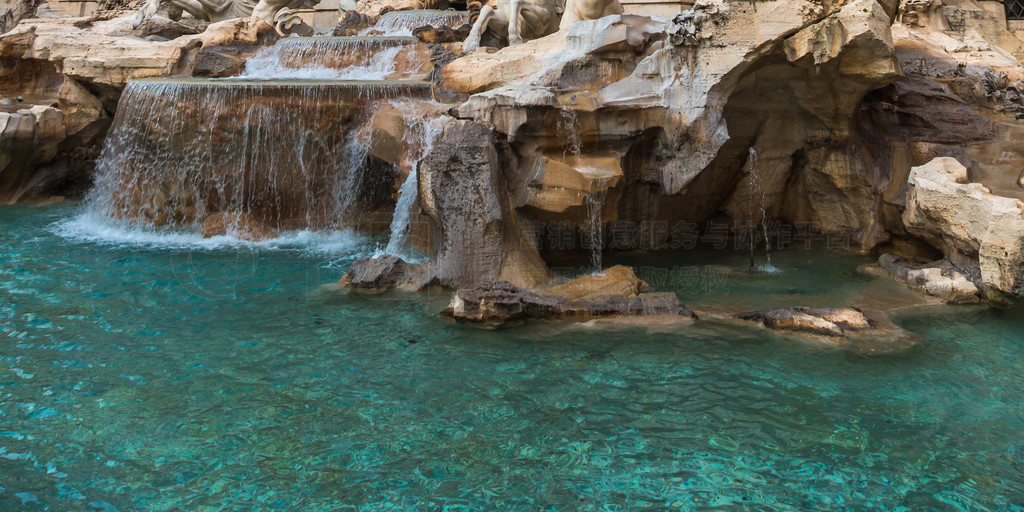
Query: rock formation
x,y
972,226
867,122
498,304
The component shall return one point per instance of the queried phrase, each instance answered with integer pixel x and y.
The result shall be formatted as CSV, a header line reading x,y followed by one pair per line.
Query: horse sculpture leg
x,y
473,41
515,22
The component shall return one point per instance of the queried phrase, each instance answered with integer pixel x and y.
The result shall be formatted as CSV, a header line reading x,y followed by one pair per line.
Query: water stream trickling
x,y
595,204
754,182
418,139
341,58
401,23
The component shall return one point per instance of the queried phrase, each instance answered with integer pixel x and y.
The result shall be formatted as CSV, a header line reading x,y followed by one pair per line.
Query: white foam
x,y
268,65
93,228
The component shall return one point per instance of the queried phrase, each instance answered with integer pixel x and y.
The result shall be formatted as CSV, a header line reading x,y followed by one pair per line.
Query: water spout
x,y
755,181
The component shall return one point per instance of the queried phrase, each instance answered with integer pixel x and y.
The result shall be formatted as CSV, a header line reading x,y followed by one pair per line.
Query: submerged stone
x,y
500,303
833,322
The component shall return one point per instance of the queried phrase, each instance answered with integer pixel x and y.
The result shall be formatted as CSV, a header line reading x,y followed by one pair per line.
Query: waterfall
x,y
754,181
401,23
595,204
340,58
289,154
568,123
422,138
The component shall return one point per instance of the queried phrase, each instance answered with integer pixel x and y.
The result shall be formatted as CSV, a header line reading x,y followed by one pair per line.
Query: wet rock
x,y
442,34
969,224
833,322
382,272
618,280
501,303
940,279
464,192
239,225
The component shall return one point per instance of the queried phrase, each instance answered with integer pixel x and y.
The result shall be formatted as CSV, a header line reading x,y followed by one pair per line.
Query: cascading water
x,y
282,152
568,123
418,139
284,144
341,58
754,181
401,23
595,205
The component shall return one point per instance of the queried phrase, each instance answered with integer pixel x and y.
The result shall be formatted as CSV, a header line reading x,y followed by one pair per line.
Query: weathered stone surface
x,y
463,190
618,280
968,223
13,11
834,322
501,303
238,225
938,279
381,273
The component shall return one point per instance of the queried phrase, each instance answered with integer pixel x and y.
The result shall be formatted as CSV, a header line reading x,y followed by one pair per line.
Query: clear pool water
x,y
158,372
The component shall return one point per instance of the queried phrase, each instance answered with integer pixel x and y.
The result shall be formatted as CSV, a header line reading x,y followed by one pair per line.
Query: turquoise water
x,y
158,372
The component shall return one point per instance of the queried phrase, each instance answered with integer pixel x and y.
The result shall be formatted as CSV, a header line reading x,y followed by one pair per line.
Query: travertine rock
x,y
938,279
381,273
500,303
618,280
834,322
463,191
968,223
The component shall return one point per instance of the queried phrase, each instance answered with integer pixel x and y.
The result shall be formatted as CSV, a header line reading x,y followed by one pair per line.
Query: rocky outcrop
x,y
464,193
972,226
501,303
674,107
940,279
833,322
13,11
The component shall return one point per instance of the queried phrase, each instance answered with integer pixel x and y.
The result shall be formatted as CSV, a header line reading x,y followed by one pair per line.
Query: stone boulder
x,y
381,273
969,224
618,280
832,322
939,279
500,303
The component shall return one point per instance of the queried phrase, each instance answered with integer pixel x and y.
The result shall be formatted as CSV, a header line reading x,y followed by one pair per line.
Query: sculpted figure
x,y
915,13
521,20
279,13
577,10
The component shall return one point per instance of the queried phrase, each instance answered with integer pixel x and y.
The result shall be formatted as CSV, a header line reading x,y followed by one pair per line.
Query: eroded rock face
x,y
969,223
464,192
501,303
833,322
